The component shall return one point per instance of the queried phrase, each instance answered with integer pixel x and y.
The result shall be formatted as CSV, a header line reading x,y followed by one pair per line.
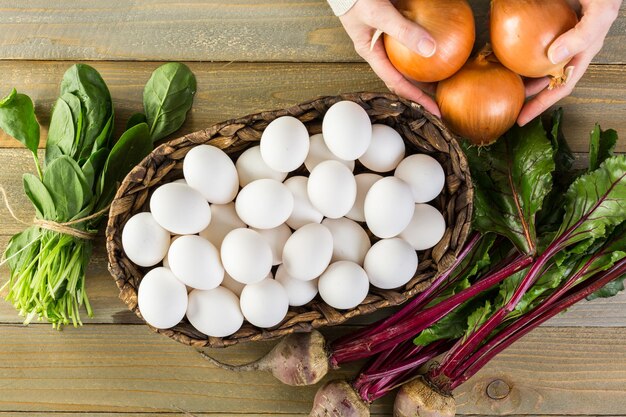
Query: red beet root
x,y
418,399
298,359
338,399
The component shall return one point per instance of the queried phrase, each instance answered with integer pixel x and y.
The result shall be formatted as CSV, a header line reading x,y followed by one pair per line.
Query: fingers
x,y
396,82
591,29
546,98
389,20
535,85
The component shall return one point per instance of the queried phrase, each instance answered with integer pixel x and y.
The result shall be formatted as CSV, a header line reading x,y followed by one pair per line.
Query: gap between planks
x,y
200,30
566,371
228,91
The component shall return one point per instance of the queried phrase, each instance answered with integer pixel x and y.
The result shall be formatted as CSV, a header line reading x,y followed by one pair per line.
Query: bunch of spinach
x,y
83,167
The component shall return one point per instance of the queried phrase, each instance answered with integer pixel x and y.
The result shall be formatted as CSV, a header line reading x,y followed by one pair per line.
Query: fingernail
x,y
568,73
426,47
559,54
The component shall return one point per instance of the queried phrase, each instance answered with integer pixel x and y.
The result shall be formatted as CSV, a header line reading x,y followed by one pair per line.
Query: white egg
x,y
251,167
180,209
162,299
426,228
303,211
209,170
385,151
214,312
196,262
144,241
180,181
319,152
424,174
388,207
390,263
276,238
350,240
166,262
264,204
232,284
332,189
299,292
347,130
223,219
308,251
363,184
343,285
285,144
264,304
246,256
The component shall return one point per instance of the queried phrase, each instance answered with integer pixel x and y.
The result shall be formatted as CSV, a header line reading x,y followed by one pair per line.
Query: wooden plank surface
x,y
103,295
231,90
112,368
198,30
575,365
103,292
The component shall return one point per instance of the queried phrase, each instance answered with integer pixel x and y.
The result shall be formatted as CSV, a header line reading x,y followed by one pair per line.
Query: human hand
x,y
362,21
582,44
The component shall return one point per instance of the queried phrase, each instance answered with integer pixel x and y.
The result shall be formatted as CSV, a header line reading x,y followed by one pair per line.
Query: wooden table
x,y
250,56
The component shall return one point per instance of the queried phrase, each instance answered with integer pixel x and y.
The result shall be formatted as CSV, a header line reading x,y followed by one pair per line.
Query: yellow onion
x,y
482,100
522,32
450,23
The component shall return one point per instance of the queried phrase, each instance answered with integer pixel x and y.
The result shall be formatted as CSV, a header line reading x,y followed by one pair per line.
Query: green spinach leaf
x,y
28,242
129,150
94,165
17,119
38,194
167,97
86,83
61,134
135,119
104,139
67,186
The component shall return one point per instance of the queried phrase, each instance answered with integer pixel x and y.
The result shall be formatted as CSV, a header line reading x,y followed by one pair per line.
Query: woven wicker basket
x,y
422,133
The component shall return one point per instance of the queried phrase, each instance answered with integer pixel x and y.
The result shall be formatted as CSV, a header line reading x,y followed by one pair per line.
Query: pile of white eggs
x,y
245,240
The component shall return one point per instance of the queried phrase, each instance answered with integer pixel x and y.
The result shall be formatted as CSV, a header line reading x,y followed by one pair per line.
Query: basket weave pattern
x,y
422,133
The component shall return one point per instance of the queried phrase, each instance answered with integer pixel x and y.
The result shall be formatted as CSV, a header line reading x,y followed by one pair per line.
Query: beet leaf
x,y
512,178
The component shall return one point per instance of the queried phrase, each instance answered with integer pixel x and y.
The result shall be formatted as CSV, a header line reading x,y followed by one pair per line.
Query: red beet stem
x,y
375,386
419,358
389,337
465,347
548,309
538,316
418,302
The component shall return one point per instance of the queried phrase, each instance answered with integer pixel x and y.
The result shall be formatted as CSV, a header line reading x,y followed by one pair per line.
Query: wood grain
x,y
104,294
110,368
229,90
198,30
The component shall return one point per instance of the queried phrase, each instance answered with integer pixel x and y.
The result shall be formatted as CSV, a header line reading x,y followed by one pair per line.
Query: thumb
x,y
409,33
595,23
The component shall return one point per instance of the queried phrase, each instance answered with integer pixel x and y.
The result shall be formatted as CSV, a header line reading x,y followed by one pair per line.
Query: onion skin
x,y
481,101
522,32
450,23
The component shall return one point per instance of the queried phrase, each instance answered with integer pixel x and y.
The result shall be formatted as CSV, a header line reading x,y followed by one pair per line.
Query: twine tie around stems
x,y
65,228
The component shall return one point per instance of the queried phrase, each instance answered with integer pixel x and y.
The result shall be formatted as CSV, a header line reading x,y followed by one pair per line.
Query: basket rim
x,y
127,292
